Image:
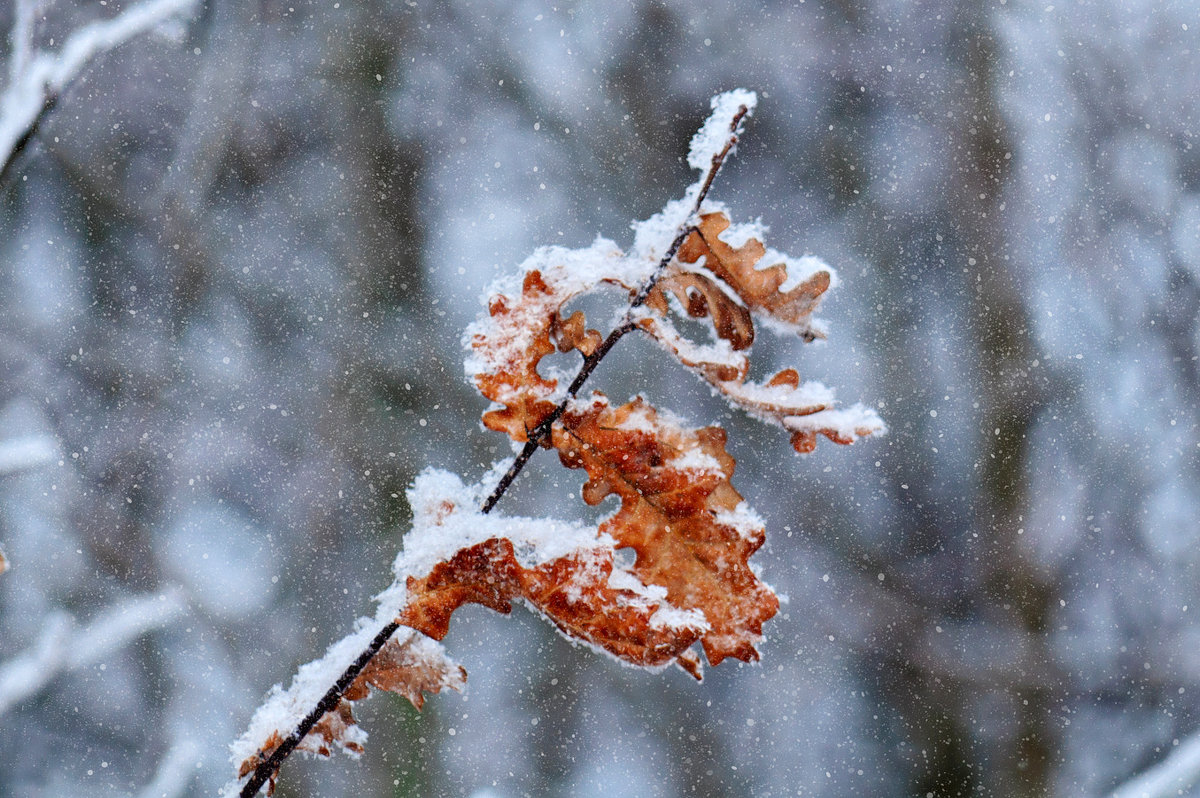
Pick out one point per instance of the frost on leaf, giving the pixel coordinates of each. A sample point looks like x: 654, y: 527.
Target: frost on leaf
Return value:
x: 576, y: 592
x: 690, y: 530
x: 525, y: 324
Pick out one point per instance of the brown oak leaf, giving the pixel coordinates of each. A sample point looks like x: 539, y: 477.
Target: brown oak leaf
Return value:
x: 521, y: 339
x: 524, y: 330
x: 691, y: 531
x: 757, y: 288
x: 725, y: 284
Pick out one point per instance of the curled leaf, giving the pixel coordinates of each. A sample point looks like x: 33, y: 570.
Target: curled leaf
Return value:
x: 758, y: 288
x: 714, y: 279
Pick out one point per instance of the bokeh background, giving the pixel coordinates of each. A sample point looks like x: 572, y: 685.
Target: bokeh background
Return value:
x: 236, y: 259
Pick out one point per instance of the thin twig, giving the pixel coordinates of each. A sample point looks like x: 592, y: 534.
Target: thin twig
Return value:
x: 269, y: 766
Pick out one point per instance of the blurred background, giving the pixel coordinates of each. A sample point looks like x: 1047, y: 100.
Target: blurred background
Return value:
x: 236, y: 258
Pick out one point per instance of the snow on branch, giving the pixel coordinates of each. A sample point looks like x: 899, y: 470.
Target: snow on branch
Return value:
x: 1175, y: 775
x: 36, y: 79
x: 63, y: 647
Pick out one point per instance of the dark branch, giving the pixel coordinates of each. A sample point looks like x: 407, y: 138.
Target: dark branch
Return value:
x: 271, y: 764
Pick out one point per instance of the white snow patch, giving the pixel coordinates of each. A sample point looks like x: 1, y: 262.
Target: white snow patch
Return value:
x: 284, y: 709
x: 851, y: 422
x: 696, y: 459
x: 799, y: 269
x: 748, y: 524
x: 446, y: 519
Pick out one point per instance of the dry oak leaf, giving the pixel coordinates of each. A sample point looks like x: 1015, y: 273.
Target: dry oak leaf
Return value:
x: 806, y: 409
x: 408, y: 664
x: 691, y: 531
x: 757, y: 288
x: 578, y: 592
x: 522, y: 340
x: 725, y: 284
x: 523, y: 330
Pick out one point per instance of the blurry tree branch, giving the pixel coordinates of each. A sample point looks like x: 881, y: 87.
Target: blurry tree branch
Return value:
x: 63, y: 647
x: 36, y: 79
x: 175, y: 770
x: 1175, y: 775
x: 18, y: 454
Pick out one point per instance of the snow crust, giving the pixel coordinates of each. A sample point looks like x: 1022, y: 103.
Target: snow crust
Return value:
x: 284, y: 709
x: 494, y: 344
x: 749, y: 524
x: 849, y: 422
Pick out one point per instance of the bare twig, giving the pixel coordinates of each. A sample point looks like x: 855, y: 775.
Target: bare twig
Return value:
x: 271, y: 764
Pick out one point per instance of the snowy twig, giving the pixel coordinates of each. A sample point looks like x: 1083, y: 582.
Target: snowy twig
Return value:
x: 63, y: 648
x: 21, y: 38
x: 36, y: 80
x: 1175, y: 775
x: 715, y: 156
x: 542, y: 431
